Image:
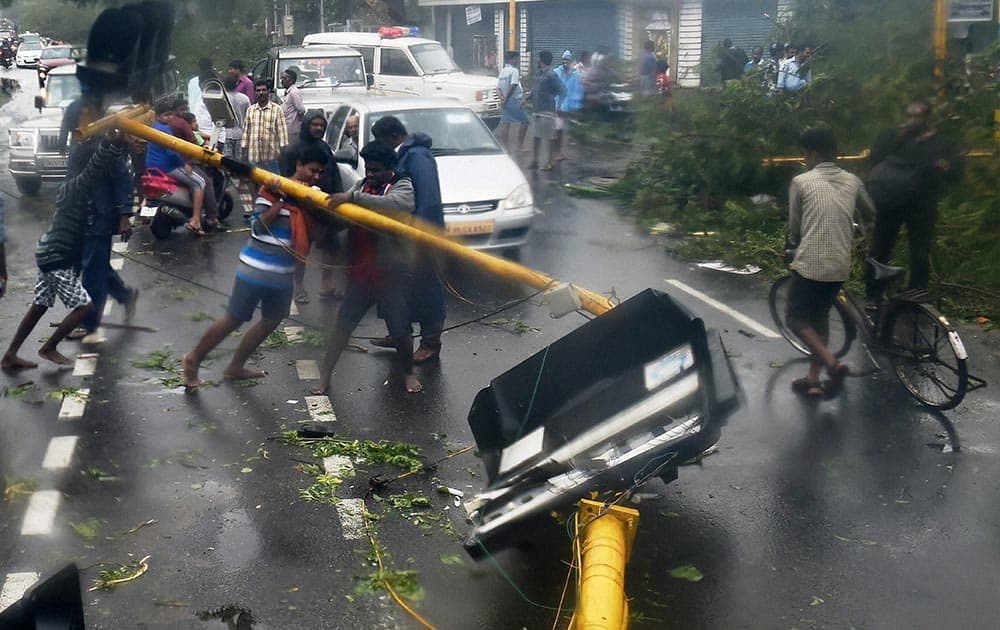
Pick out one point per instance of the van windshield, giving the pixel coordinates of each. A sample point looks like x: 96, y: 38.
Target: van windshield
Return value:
x: 324, y: 71
x: 433, y: 59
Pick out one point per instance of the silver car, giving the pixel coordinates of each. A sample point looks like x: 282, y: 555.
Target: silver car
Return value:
x: 488, y: 203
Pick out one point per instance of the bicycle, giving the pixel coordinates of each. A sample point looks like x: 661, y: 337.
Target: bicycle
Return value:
x: 926, y: 352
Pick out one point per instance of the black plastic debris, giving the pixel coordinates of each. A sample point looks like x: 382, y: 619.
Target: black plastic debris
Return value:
x: 626, y: 397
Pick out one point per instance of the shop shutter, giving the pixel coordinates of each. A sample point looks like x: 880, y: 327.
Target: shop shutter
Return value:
x: 576, y: 26
x: 742, y: 21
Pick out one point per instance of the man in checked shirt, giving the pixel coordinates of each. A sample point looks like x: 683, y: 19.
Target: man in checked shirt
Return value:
x: 822, y: 205
x: 265, y: 133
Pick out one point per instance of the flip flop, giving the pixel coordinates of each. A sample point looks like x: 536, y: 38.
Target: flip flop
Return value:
x: 809, y: 388
x: 77, y: 333
x: 837, y: 375
x: 301, y: 297
x: 197, y: 231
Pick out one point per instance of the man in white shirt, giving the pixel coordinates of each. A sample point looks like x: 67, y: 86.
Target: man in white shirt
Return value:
x: 291, y: 105
x: 511, y: 108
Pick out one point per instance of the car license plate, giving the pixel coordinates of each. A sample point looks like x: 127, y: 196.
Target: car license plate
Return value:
x: 54, y: 163
x: 468, y: 228
x: 147, y: 211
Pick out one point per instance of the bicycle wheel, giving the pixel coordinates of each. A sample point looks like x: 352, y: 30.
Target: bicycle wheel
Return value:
x: 841, y: 329
x: 926, y: 354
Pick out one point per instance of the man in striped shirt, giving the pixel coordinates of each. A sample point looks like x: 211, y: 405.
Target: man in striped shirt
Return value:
x: 821, y: 210
x: 265, y: 133
x: 278, y: 232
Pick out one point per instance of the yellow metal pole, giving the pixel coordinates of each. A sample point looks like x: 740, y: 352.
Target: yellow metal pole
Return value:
x: 406, y: 226
x: 605, y: 546
x: 512, y: 20
x: 940, y: 41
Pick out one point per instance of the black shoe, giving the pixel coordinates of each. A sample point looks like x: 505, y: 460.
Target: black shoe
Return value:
x: 382, y: 342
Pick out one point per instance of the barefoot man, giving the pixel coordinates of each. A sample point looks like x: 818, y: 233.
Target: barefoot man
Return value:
x: 264, y: 275
x: 380, y: 265
x: 60, y: 250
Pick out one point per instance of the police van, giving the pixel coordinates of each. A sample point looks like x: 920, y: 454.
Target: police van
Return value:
x: 404, y: 64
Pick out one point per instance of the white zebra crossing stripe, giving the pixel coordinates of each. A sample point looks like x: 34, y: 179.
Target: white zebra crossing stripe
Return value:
x: 294, y: 333
x: 41, y: 513
x: 117, y: 263
x: 320, y: 409
x: 59, y: 454
x: 307, y: 369
x: 119, y: 247
x: 15, y: 586
x: 74, y: 404
x: 339, y: 466
x: 352, y: 519
x: 85, y: 365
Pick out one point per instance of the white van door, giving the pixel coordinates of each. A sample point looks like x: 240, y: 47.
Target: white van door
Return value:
x: 397, y: 75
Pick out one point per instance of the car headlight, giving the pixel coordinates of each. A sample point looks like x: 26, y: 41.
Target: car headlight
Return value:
x: 520, y: 198
x: 21, y: 138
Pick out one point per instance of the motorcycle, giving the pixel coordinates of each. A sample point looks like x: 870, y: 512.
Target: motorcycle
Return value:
x: 7, y: 55
x: 168, y: 204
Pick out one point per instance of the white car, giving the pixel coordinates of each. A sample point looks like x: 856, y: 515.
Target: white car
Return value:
x: 28, y: 53
x: 487, y: 200
x: 403, y: 64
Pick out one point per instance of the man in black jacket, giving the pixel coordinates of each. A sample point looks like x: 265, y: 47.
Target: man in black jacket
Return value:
x: 328, y: 241
x: 60, y: 250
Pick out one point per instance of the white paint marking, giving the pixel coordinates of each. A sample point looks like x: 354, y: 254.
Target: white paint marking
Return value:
x: 119, y: 247
x: 117, y: 263
x: 294, y: 333
x: 73, y: 405
x: 760, y: 329
x: 308, y: 370
x: 15, y: 586
x: 94, y: 338
x: 107, y: 308
x: 339, y: 466
x: 320, y: 409
x: 294, y: 309
x: 59, y: 454
x: 86, y: 365
x: 42, y: 507
x: 352, y: 520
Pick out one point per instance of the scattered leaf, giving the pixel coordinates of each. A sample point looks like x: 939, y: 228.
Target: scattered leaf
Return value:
x: 686, y: 572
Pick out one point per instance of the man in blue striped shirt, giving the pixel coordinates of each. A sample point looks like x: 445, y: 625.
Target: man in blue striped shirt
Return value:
x: 264, y: 273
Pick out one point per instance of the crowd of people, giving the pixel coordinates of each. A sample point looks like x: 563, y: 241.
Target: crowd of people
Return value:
x: 785, y: 70
x: 95, y: 202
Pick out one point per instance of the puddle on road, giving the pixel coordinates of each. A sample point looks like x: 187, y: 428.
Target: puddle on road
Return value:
x: 239, y: 544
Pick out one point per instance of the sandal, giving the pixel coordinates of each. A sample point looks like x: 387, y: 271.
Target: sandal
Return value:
x: 809, y: 388
x: 837, y: 375
x: 77, y: 333
x: 424, y: 354
x: 197, y: 231
x: 302, y: 297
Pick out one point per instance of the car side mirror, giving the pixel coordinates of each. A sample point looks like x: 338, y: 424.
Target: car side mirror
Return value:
x: 39, y: 102
x: 370, y: 79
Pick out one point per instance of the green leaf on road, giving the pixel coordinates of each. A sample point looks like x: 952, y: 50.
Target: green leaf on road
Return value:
x: 687, y: 572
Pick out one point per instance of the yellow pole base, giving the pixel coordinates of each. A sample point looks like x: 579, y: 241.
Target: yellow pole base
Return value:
x: 605, y: 545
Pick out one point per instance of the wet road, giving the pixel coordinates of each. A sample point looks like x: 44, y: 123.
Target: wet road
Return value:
x: 866, y: 511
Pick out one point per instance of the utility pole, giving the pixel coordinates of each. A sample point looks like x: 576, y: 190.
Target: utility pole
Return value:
x: 322, y: 18
x: 940, y: 41
x: 512, y: 14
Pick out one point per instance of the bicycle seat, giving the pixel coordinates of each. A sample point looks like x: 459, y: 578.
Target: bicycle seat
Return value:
x: 883, y: 271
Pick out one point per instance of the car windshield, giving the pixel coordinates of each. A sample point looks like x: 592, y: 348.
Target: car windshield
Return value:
x: 61, y: 90
x: 433, y: 59
x: 454, y: 131
x: 56, y: 52
x: 324, y: 71
x: 30, y: 45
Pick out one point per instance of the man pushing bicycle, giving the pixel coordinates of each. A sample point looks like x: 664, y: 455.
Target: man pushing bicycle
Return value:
x: 823, y: 203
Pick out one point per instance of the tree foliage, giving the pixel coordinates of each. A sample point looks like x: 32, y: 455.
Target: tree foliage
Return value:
x: 707, y: 160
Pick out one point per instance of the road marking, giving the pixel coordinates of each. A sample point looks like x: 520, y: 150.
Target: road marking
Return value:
x: 42, y: 507
x: 94, y: 338
x: 73, y: 405
x: 59, y: 454
x: 86, y: 364
x: 339, y: 466
x: 294, y: 310
x: 117, y: 263
x: 15, y: 586
x: 760, y: 329
x: 320, y: 409
x: 119, y: 247
x: 294, y: 333
x: 308, y: 370
x: 107, y: 308
x: 352, y: 519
